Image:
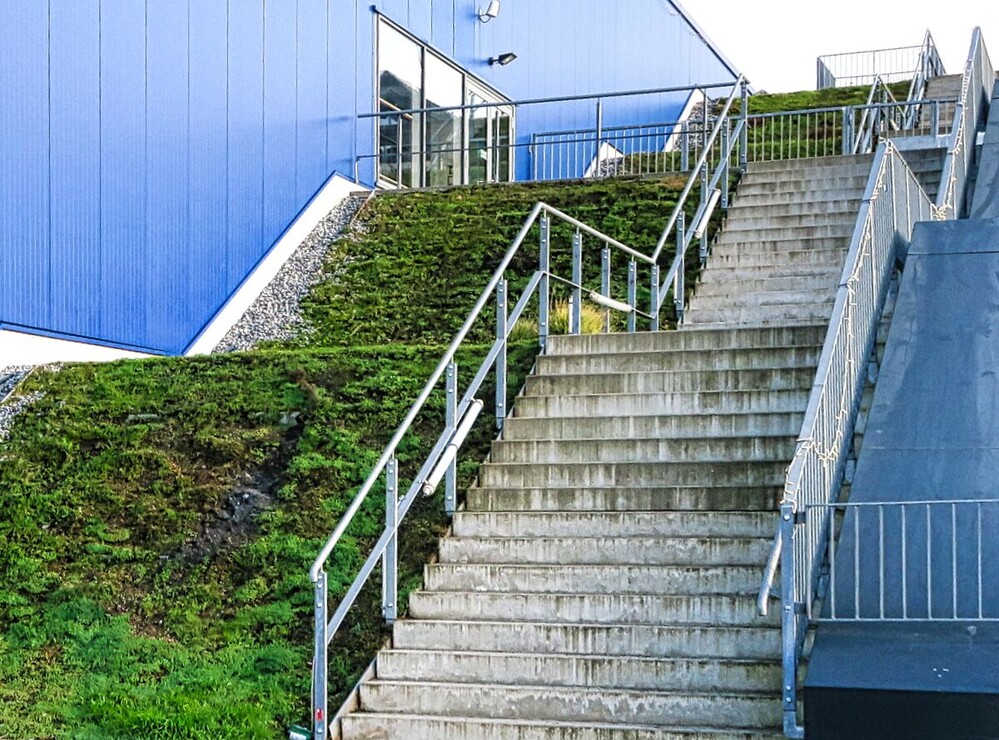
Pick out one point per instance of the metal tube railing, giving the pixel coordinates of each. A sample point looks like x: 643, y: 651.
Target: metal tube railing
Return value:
x: 893, y: 65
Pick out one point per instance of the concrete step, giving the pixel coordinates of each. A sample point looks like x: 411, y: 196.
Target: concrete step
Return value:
x: 647, y: 641
x: 721, y: 274
x: 814, y: 163
x: 372, y: 726
x: 622, y: 524
x: 691, y: 497
x: 589, y: 671
x: 536, y: 452
x: 758, y: 198
x: 828, y: 280
x: 748, y: 337
x: 749, y: 299
x: 630, y: 427
x: 741, y: 209
x: 798, y: 170
x: 606, y: 579
x: 734, y: 244
x: 607, y: 550
x: 620, y: 404
x: 777, y: 314
x: 799, y: 258
x: 773, y: 378
x: 841, y: 187
x: 584, y: 608
x: 692, y: 361
x: 762, y: 222
x: 493, y: 701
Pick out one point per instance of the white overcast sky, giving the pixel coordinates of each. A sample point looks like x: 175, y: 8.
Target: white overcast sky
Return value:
x: 775, y: 42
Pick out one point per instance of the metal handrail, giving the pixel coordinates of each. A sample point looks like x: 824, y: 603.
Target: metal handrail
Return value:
x: 976, y: 91
x: 906, y: 62
x: 440, y: 464
x: 893, y: 202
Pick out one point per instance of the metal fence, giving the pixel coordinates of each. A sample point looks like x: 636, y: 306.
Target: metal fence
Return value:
x: 893, y: 202
x: 892, y: 65
x: 911, y: 561
x: 976, y: 91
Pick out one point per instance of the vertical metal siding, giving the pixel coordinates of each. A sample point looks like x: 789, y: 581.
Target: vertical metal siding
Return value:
x: 75, y: 166
x: 312, y: 86
x: 24, y: 161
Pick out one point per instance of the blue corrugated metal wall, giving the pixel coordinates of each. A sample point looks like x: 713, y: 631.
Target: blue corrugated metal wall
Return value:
x: 151, y: 152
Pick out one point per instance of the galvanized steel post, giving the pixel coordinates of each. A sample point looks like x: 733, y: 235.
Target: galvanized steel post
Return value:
x: 726, y: 136
x: 544, y: 287
x: 789, y: 624
x: 599, y: 135
x: 632, y: 293
x: 847, y: 148
x: 744, y: 135
x: 390, y: 558
x: 501, y: 333
x: 320, y: 659
x: 605, y: 282
x: 678, y: 278
x: 576, y: 297
x: 451, y: 421
x: 654, y: 299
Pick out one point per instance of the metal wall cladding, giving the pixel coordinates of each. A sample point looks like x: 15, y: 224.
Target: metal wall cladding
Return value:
x: 152, y: 152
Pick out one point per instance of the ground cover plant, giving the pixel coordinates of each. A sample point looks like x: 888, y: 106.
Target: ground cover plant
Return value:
x: 159, y: 516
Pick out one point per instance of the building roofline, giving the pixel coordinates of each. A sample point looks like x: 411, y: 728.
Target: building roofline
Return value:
x: 696, y: 28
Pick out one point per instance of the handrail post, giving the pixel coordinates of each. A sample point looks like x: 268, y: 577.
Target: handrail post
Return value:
x: 678, y: 278
x: 544, y: 288
x: 599, y: 135
x: 398, y: 151
x: 654, y: 298
x: 390, y: 559
x: 726, y: 135
x: 847, y: 130
x: 935, y: 117
x: 576, y: 298
x: 501, y: 335
x: 789, y: 619
x: 320, y: 659
x: 684, y: 147
x: 744, y: 135
x: 451, y: 420
x: 632, y: 292
x: 605, y: 282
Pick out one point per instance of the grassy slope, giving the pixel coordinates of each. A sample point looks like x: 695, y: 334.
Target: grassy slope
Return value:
x: 136, y: 598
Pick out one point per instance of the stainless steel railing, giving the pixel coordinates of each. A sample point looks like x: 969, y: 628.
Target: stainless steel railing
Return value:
x: 893, y: 65
x: 976, y: 91
x: 908, y: 561
x: 893, y: 202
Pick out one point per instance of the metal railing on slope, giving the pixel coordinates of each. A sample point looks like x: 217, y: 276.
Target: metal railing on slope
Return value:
x: 893, y: 202
x: 976, y: 91
x: 440, y: 464
x: 894, y: 65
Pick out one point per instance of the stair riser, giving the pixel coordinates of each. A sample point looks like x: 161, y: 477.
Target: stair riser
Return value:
x: 819, y: 283
x: 844, y: 208
x: 596, y: 524
x: 754, y: 643
x: 745, y: 197
x: 834, y: 188
x: 748, y: 338
x: 666, y: 382
x: 694, y: 361
x: 521, y: 670
x: 644, y: 451
x: 795, y: 258
x: 383, y: 727
x: 609, y: 579
x: 718, y: 473
x: 631, y: 427
x: 728, y: 276
x: 840, y: 229
x: 606, y: 551
x: 741, y: 222
x: 764, y: 300
x: 663, y: 403
x: 758, y: 314
x: 555, y: 704
x: 586, y: 608
x: 622, y: 498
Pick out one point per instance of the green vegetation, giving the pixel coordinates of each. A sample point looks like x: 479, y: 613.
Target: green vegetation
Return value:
x: 159, y: 516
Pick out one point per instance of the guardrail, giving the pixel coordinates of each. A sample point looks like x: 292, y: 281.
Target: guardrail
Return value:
x: 976, y: 91
x: 893, y: 202
x: 908, y: 561
x: 893, y: 65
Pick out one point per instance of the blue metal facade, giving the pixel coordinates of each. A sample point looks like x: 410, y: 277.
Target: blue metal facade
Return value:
x: 152, y: 151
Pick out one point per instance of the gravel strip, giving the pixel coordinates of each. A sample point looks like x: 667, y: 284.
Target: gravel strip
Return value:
x: 276, y: 314
x: 9, y: 378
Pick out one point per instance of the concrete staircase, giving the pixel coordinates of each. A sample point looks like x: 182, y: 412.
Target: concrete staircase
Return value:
x: 599, y: 583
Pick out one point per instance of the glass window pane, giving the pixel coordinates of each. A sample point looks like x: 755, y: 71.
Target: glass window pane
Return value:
x: 443, y: 142
x: 478, y: 141
x: 502, y: 150
x: 400, y: 75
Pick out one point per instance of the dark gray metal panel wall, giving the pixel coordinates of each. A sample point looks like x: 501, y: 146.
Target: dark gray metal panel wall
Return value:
x: 152, y: 152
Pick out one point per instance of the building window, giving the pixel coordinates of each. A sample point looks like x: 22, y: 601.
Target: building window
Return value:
x: 425, y: 138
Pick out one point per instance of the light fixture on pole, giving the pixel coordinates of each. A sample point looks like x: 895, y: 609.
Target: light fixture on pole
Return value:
x: 492, y: 10
x: 502, y: 59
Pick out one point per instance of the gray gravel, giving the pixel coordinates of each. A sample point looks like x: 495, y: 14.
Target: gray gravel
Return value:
x: 9, y: 378
x: 276, y: 314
